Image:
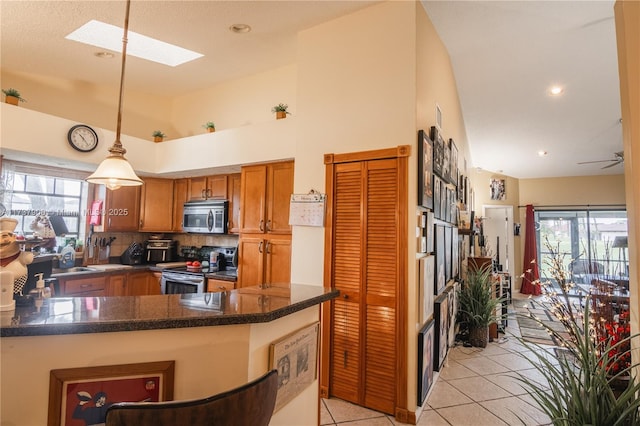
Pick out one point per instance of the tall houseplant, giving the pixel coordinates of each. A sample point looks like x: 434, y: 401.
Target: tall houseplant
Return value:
x: 478, y: 305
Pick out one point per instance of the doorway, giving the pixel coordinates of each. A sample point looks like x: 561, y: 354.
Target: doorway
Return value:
x: 498, y: 234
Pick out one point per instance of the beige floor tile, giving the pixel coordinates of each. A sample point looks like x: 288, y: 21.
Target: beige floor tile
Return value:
x: 460, y: 352
x: 376, y: 421
x: 513, y: 361
x: 535, y: 375
x: 455, y: 370
x: 431, y: 418
x: 325, y: 416
x: 493, y: 348
x: 445, y: 395
x: 513, y: 344
x: 479, y: 388
x: 483, y: 365
x: 508, y: 382
x: 343, y: 411
x: 514, y: 411
x: 469, y: 415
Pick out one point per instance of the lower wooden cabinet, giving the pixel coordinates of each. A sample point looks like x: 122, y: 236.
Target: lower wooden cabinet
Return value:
x: 142, y: 284
x: 264, y: 260
x: 215, y: 286
x: 117, y: 285
x: 95, y: 286
x: 138, y: 283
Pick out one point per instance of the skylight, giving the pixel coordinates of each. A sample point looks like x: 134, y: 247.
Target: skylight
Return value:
x: 106, y: 36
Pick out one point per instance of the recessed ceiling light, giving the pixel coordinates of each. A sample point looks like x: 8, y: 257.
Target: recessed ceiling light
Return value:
x: 542, y: 153
x: 556, y: 90
x: 106, y: 36
x: 240, y: 28
x: 104, y: 55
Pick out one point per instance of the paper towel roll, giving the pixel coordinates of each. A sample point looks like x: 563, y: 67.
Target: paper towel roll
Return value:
x: 6, y: 291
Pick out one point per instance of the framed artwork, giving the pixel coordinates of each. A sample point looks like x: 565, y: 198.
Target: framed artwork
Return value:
x: 441, y: 318
x: 295, y: 357
x: 453, y: 167
x: 427, y: 266
x: 453, y: 313
x: 79, y: 396
x: 438, y: 151
x: 421, y: 232
x: 430, y: 231
x: 437, y: 193
x: 440, y: 279
x: 443, y: 201
x: 425, y: 360
x: 425, y: 170
x: 438, y: 117
x: 497, y: 189
x: 446, y: 163
x: 447, y: 253
x: 455, y: 253
x: 462, y: 190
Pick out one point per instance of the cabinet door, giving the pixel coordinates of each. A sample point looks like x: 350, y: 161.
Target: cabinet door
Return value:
x: 154, y: 283
x: 122, y: 209
x: 180, y: 196
x: 250, y: 261
x: 117, y: 285
x: 138, y: 283
x: 214, y: 286
x: 92, y: 286
x: 279, y: 189
x: 278, y: 262
x: 197, y: 188
x: 252, y: 199
x: 234, y: 203
x: 156, y: 210
x: 217, y: 187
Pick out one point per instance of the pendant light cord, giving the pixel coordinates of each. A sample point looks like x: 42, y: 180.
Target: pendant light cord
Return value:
x: 117, y: 147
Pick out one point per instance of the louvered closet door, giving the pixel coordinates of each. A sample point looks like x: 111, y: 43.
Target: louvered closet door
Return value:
x: 363, y: 346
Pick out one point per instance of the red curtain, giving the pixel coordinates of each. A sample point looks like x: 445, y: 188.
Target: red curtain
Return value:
x: 531, y: 272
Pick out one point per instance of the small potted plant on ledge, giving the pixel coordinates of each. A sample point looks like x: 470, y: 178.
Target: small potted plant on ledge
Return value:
x: 281, y: 111
x: 157, y: 136
x: 210, y: 126
x: 12, y: 96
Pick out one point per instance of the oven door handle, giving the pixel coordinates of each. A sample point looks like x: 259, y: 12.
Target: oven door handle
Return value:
x: 210, y: 220
x: 181, y: 279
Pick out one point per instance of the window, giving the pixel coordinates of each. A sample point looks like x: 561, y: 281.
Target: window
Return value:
x: 593, y: 243
x: 29, y: 195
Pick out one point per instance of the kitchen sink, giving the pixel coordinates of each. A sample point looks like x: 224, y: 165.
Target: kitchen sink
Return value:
x: 72, y: 270
x: 109, y: 267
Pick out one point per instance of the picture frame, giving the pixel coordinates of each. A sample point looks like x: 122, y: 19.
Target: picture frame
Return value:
x: 295, y: 357
x: 441, y: 318
x: 443, y: 201
x: 497, y: 188
x: 429, y: 230
x: 452, y: 312
x: 421, y: 231
x: 453, y: 165
x: 79, y: 394
x: 455, y: 253
x: 426, y: 339
x: 437, y: 194
x: 427, y: 268
x: 425, y: 170
x: 440, y: 278
x: 447, y: 253
x: 446, y: 162
x: 438, y: 151
x: 438, y: 117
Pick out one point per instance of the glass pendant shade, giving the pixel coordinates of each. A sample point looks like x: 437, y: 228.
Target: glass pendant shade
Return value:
x: 114, y: 172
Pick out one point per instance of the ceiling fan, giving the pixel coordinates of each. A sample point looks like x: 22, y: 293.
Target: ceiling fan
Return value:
x: 618, y: 159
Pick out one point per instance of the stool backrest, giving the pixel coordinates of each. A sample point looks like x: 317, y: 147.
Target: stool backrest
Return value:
x: 248, y: 405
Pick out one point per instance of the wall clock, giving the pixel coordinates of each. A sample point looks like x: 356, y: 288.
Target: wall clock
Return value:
x: 82, y: 138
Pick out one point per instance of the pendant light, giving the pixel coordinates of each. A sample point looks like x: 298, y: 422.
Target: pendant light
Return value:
x: 115, y: 171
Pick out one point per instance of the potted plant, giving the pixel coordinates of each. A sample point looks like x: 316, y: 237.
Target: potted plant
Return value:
x: 281, y: 111
x: 210, y: 126
x: 12, y: 96
x: 478, y: 305
x: 157, y: 136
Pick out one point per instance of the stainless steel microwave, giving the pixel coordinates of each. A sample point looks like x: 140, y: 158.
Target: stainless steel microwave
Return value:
x: 206, y: 217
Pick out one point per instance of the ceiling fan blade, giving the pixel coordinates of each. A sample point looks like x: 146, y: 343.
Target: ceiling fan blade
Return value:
x: 611, y: 165
x: 599, y: 161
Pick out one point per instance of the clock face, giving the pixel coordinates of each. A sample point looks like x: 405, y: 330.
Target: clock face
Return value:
x: 82, y: 138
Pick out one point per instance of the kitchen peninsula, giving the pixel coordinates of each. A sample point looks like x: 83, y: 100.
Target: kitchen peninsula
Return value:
x: 217, y: 340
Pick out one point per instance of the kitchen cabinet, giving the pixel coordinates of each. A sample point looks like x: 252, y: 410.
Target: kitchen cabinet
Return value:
x: 156, y: 205
x: 264, y: 261
x: 142, y: 284
x: 117, y: 285
x: 94, y: 286
x: 208, y: 188
x: 264, y: 198
x: 180, y: 196
x: 121, y: 210
x: 215, y: 286
x: 233, y: 192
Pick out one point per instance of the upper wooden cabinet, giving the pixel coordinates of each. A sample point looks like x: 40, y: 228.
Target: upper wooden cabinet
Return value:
x: 234, y: 182
x: 121, y: 210
x: 208, y: 188
x: 156, y: 205
x: 180, y: 196
x: 264, y: 198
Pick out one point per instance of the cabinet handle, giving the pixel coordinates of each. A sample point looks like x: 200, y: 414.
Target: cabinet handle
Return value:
x: 269, y: 225
x: 221, y: 287
x: 260, y: 247
x: 268, y: 247
x: 208, y: 192
x: 203, y: 194
x: 109, y: 221
x: 86, y: 285
x: 261, y: 226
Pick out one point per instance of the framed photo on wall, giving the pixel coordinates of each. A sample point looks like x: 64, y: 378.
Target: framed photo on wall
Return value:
x: 438, y: 151
x: 430, y: 230
x: 446, y: 163
x: 453, y: 168
x: 455, y: 253
x: 425, y: 360
x: 440, y: 279
x: 437, y: 193
x: 441, y: 318
x: 425, y: 170
x: 497, y: 189
x: 427, y: 266
x: 447, y: 253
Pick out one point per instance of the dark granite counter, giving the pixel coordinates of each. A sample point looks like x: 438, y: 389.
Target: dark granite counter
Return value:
x: 79, y: 315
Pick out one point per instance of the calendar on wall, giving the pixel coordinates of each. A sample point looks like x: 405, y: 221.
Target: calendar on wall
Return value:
x: 307, y: 209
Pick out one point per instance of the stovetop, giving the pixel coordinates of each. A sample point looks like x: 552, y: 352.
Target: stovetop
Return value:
x: 229, y: 271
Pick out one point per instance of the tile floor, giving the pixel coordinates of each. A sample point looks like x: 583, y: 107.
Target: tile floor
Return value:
x: 476, y: 387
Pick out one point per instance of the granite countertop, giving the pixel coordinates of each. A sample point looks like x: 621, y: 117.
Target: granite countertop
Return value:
x: 79, y: 315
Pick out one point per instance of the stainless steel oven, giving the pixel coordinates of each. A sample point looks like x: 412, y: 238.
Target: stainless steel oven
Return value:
x: 178, y: 281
